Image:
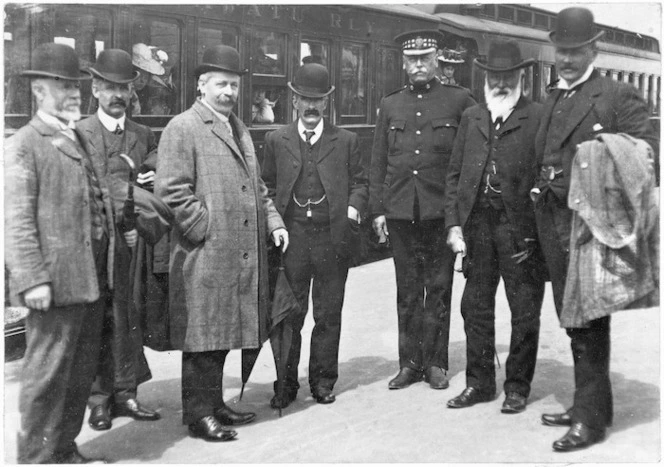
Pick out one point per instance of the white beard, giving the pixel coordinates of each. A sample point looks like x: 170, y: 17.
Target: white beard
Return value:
x: 501, y: 105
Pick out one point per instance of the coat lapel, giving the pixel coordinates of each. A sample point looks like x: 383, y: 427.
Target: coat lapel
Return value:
x: 482, y: 121
x: 293, y: 142
x: 327, y: 142
x: 515, y: 119
x: 584, y: 102
x: 60, y: 141
x: 219, y: 128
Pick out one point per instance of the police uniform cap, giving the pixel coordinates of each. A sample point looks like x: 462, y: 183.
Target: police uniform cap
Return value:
x: 420, y: 41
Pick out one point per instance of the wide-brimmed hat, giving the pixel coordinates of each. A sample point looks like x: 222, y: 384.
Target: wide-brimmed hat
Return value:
x: 220, y: 58
x: 504, y: 55
x: 53, y: 60
x: 575, y: 27
x: 311, y: 80
x: 451, y: 57
x: 143, y: 57
x: 419, y: 41
x: 114, y: 65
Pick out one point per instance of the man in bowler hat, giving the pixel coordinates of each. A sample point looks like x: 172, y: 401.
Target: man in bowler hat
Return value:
x: 107, y: 134
x: 491, y: 222
x: 411, y: 150
x: 316, y: 176
x: 208, y: 174
x: 583, y: 105
x: 59, y: 237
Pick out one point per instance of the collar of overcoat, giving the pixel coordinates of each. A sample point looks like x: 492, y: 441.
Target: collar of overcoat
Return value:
x: 92, y: 132
x: 60, y: 140
x: 513, y: 122
x: 585, y: 99
x: 220, y: 129
x: 327, y: 142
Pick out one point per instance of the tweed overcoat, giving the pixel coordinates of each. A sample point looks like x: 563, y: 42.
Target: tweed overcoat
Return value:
x: 47, y: 217
x: 341, y: 168
x: 514, y: 150
x: 218, y: 270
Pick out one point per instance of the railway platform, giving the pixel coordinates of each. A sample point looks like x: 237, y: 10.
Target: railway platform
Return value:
x: 368, y: 422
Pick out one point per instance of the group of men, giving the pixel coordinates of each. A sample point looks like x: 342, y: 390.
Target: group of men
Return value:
x: 447, y: 176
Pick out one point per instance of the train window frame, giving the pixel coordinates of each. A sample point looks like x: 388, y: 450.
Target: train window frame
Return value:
x: 183, y: 80
x: 351, y: 119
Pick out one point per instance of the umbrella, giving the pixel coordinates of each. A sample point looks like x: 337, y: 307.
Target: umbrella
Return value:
x: 129, y: 211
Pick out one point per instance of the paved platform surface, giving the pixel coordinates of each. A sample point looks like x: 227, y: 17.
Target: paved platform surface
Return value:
x: 368, y: 422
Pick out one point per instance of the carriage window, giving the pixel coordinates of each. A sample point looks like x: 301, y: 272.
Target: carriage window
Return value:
x: 527, y: 84
x: 17, y: 59
x: 268, y: 56
x: 390, y: 75
x: 548, y: 74
x: 316, y: 52
x: 156, y: 56
x: 353, y: 93
x: 209, y: 36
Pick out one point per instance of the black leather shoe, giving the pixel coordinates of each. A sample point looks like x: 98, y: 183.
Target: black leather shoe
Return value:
x: 579, y: 436
x: 469, y: 397
x: 131, y: 408
x: 514, y: 403
x: 323, y: 396
x: 557, y: 419
x: 228, y: 416
x: 405, y: 378
x: 282, y: 402
x: 210, y: 429
x: 100, y: 418
x: 437, y: 378
x: 75, y: 457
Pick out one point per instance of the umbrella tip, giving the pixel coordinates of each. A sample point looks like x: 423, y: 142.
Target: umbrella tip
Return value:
x: 241, y: 392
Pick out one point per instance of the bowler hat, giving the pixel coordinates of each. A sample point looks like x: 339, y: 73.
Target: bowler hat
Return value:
x: 114, y: 65
x: 220, y: 58
x: 311, y: 80
x: 504, y: 55
x: 574, y: 28
x: 53, y: 60
x: 419, y: 41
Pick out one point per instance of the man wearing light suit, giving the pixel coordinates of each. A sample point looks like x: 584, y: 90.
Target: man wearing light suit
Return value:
x: 319, y: 183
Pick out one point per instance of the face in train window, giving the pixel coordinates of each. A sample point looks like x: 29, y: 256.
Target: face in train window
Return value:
x: 156, y: 56
x: 353, y: 81
x: 87, y: 31
x: 268, y: 53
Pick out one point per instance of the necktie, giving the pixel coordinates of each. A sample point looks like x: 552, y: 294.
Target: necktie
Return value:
x: 118, y: 130
x: 308, y: 134
x: 499, y: 122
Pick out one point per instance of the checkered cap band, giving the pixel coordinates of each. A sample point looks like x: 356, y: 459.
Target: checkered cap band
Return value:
x: 419, y: 43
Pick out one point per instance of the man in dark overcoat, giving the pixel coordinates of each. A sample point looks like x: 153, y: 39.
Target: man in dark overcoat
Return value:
x: 59, y: 238
x: 411, y: 150
x: 208, y: 174
x: 583, y: 105
x: 107, y: 134
x: 315, y: 174
x: 491, y: 221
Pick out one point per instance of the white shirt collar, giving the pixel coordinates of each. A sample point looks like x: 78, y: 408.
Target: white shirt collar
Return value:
x: 219, y: 115
x: 109, y: 122
x: 318, y: 131
x: 562, y: 84
x: 54, y: 121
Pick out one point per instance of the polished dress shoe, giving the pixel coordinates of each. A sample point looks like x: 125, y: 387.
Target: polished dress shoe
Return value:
x: 131, y: 408
x: 469, y: 397
x: 75, y: 457
x: 100, y: 418
x: 557, y: 419
x: 514, y: 403
x: 437, y: 378
x: 579, y: 436
x: 228, y: 416
x: 405, y: 378
x: 323, y: 396
x: 282, y: 402
x: 209, y: 429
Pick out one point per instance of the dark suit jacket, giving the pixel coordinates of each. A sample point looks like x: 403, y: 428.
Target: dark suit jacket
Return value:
x: 602, y: 105
x: 514, y: 148
x: 341, y: 168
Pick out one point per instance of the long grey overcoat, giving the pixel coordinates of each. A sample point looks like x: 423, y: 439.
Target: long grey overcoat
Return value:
x: 218, y: 269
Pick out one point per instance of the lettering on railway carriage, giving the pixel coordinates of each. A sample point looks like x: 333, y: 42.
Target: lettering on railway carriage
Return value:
x: 275, y: 12
x: 339, y: 21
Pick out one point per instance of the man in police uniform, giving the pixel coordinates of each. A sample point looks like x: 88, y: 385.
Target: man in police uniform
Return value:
x: 583, y: 105
x: 412, y: 145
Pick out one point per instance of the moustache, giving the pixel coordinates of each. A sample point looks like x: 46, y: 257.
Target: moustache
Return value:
x: 120, y: 102
x: 311, y: 113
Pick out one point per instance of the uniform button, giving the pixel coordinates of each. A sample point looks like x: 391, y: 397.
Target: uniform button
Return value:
x: 419, y: 114
x: 87, y: 243
x: 245, y: 256
x: 419, y: 96
x: 418, y: 132
x: 246, y: 222
x: 414, y: 172
x: 577, y: 201
x: 244, y: 187
x: 417, y: 151
x: 584, y: 165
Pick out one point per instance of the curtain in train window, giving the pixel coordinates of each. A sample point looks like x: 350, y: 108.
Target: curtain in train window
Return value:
x: 353, y: 93
x: 268, y: 53
x: 547, y: 76
x: 527, y: 83
x: 156, y: 55
x: 87, y: 31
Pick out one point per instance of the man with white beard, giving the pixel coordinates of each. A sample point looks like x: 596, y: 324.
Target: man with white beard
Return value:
x: 491, y: 223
